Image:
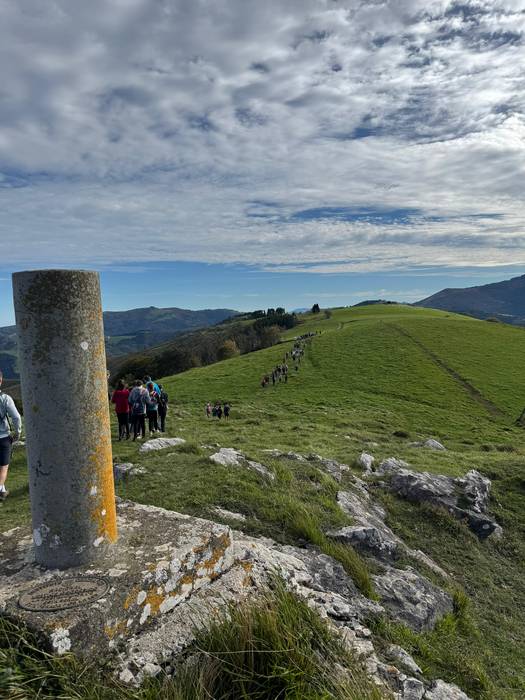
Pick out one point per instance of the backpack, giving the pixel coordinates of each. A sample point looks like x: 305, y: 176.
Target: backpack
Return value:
x: 4, y: 419
x: 137, y: 407
x: 163, y: 399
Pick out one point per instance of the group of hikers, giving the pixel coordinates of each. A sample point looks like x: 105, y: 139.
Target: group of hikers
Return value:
x: 218, y: 410
x: 146, y: 399
x: 295, y: 355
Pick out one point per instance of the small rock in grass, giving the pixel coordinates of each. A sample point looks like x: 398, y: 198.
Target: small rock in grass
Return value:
x: 229, y: 514
x: 445, y: 691
x: 122, y: 471
x: 397, y: 653
x: 230, y: 457
x: 366, y: 461
x: 161, y: 444
x: 430, y: 444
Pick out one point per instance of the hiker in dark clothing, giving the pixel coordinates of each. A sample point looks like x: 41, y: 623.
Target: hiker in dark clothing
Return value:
x: 219, y: 411
x: 152, y: 406
x: 162, y: 408
x: 137, y: 401
x: 226, y: 411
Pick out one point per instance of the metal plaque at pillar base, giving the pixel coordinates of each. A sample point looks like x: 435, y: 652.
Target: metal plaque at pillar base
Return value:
x: 64, y: 593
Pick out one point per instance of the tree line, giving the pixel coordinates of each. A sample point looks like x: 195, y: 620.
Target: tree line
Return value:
x: 204, y: 347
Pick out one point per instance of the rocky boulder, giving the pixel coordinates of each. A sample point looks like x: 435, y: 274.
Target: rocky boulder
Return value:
x: 365, y: 461
x: 161, y: 444
x: 411, y: 598
x: 466, y: 498
x: 230, y: 457
x: 369, y: 534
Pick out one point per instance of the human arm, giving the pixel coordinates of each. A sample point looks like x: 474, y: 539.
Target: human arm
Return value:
x: 16, y: 419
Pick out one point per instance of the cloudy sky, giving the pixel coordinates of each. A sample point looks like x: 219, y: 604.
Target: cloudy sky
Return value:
x: 321, y: 142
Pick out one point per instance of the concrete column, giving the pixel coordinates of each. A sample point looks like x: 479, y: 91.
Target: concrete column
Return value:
x: 62, y: 363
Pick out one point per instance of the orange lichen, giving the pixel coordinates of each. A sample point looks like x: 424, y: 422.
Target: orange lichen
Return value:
x: 112, y: 631
x: 103, y: 511
x: 132, y: 597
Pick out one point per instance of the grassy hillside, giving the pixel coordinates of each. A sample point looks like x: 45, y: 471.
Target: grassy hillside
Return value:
x: 375, y: 378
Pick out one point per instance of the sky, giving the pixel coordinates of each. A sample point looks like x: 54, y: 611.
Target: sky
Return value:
x: 242, y: 153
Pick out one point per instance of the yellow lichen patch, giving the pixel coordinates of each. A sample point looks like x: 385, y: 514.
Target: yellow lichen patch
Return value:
x: 132, y: 597
x: 218, y: 551
x: 246, y: 565
x: 111, y: 631
x: 154, y: 599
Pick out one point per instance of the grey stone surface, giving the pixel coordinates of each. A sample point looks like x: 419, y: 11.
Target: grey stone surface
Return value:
x: 412, y: 689
x: 127, y: 469
x: 430, y: 444
x: 161, y: 444
x: 230, y: 457
x: 366, y: 461
x: 162, y: 558
x: 223, y: 513
x: 445, y: 691
x: 285, y: 455
x: 397, y: 654
x: 466, y: 498
x: 331, y: 466
x: 61, y: 353
x: 370, y: 534
x: 412, y: 598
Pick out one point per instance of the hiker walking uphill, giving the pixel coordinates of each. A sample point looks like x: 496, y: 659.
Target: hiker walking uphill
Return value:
x: 280, y: 372
x: 10, y: 430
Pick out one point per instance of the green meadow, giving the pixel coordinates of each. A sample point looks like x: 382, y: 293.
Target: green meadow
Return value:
x: 375, y: 379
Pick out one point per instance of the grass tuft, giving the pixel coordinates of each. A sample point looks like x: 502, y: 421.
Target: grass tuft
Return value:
x: 272, y: 647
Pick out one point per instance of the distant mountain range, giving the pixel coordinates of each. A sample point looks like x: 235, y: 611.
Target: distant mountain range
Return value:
x: 128, y: 331
x: 502, y: 300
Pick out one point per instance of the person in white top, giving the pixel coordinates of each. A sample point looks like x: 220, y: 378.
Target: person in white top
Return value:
x: 10, y: 429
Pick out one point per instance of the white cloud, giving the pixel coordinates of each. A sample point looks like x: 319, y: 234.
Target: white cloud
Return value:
x: 150, y: 130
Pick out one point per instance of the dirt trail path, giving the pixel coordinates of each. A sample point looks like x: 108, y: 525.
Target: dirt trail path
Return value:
x: 471, y: 390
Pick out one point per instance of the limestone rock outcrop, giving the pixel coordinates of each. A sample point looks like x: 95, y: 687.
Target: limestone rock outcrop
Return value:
x: 230, y: 457
x: 466, y: 498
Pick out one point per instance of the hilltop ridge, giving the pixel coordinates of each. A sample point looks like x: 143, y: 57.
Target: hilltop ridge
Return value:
x: 502, y: 300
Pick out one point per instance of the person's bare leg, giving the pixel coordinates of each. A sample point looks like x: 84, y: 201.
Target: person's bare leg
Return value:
x: 3, y: 474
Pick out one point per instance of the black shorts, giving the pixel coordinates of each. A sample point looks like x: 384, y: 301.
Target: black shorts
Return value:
x: 6, y: 446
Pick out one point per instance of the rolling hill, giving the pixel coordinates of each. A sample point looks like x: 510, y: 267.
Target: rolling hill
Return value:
x: 502, y: 300
x: 128, y: 331
x: 374, y: 378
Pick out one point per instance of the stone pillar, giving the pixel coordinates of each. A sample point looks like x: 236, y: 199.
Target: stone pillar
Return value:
x: 62, y: 363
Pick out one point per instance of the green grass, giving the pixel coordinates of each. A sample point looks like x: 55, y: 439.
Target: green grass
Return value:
x: 272, y: 647
x: 362, y: 380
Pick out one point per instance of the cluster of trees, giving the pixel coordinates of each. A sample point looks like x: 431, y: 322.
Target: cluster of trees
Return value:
x: 203, y: 347
x: 261, y: 313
